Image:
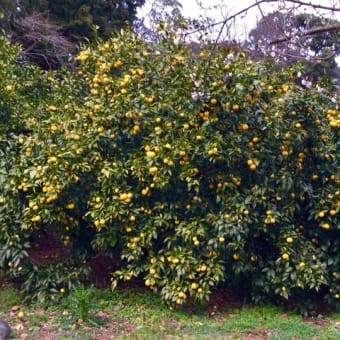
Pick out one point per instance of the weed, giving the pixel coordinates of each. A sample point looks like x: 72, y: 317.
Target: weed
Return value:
x: 9, y: 296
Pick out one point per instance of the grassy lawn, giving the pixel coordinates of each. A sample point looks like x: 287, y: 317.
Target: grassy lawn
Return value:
x: 134, y: 313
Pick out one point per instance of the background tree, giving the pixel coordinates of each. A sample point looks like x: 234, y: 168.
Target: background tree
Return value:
x: 49, y: 30
x: 292, y: 37
x: 43, y: 42
x: 78, y: 16
x: 159, y: 14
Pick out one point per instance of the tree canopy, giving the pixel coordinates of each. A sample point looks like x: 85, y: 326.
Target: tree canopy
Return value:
x: 290, y: 37
x: 78, y: 16
x: 49, y: 29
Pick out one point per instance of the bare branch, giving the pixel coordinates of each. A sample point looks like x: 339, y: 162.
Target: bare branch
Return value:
x: 311, y: 31
x: 257, y: 3
x: 311, y: 59
x: 310, y: 4
x: 42, y: 41
x: 260, y: 9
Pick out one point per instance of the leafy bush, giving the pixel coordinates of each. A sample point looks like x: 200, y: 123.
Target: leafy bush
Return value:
x: 195, y: 169
x: 18, y: 86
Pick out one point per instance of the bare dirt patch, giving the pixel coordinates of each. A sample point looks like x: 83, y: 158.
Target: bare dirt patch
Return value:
x: 257, y: 334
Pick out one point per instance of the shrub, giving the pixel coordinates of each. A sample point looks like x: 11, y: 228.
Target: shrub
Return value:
x: 195, y: 169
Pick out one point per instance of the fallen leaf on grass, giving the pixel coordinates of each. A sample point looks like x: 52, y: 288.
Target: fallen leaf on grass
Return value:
x: 19, y: 327
x: 102, y: 314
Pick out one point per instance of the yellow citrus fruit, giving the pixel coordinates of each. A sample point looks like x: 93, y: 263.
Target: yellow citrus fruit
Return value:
x: 236, y: 257
x: 70, y: 206
x: 321, y: 214
x: 203, y: 268
x: 325, y: 226
x: 153, y: 170
x: 52, y: 160
x: 285, y: 256
x: 145, y: 191
x: 315, y: 177
x: 194, y: 285
x: 21, y: 314
x: 182, y: 295
x: 36, y: 218
x: 151, y: 154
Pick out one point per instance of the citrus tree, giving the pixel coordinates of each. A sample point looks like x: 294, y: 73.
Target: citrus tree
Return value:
x: 19, y: 88
x: 192, y: 168
x: 25, y: 96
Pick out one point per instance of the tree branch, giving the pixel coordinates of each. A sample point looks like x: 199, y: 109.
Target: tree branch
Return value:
x: 311, y: 31
x: 310, y: 59
x: 259, y: 2
x: 310, y: 4
x: 260, y: 9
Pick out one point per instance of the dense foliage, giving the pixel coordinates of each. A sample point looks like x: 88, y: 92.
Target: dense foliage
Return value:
x: 50, y: 31
x: 76, y: 17
x: 193, y: 169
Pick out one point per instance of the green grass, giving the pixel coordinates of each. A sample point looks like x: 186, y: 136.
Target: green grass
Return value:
x: 138, y: 314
